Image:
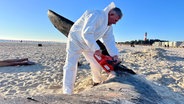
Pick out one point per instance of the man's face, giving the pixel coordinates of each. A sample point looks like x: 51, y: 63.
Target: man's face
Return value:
x: 113, y: 18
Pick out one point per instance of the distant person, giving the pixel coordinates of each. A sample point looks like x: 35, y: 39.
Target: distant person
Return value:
x: 132, y: 44
x: 90, y: 27
x: 15, y: 62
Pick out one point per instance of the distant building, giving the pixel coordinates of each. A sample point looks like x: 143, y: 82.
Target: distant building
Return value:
x: 157, y: 44
x: 182, y: 45
x: 168, y: 44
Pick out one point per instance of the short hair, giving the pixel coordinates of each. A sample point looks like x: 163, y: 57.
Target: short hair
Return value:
x: 118, y: 11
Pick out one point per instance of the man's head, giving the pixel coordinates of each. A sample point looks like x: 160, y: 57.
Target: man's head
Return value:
x: 114, y: 15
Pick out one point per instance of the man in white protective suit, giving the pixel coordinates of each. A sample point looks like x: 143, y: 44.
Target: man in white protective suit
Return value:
x: 91, y: 26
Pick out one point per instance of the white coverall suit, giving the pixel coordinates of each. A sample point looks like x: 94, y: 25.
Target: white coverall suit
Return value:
x: 91, y: 26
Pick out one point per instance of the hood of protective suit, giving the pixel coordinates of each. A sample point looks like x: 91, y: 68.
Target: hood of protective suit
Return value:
x: 91, y: 26
x: 109, y: 7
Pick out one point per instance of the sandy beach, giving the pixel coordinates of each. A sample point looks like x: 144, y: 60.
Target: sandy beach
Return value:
x: 162, y: 67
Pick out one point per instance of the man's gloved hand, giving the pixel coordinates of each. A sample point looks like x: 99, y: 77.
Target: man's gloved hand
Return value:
x: 115, y: 58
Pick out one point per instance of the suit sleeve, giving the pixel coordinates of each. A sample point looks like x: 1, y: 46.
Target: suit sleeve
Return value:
x: 109, y: 42
x: 90, y: 25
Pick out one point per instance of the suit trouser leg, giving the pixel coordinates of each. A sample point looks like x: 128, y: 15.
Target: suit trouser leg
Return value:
x: 70, y: 69
x: 95, y: 67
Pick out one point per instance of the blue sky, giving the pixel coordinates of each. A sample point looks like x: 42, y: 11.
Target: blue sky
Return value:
x: 28, y: 20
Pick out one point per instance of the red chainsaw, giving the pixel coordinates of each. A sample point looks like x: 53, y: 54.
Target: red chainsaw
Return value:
x: 106, y: 62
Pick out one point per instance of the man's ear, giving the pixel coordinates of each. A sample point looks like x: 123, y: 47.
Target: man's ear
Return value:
x: 111, y: 13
